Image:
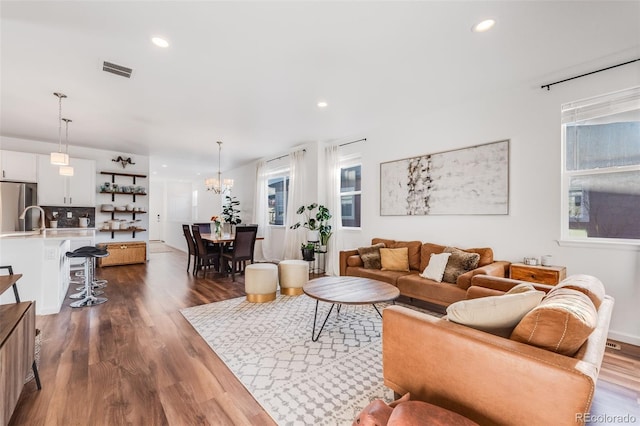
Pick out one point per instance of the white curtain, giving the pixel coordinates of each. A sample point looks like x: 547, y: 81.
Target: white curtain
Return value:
x: 293, y: 238
x: 261, y: 214
x: 332, y: 173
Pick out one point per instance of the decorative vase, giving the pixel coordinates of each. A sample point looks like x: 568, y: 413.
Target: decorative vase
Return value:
x: 218, y: 229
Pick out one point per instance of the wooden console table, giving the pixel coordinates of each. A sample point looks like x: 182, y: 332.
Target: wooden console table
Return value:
x: 550, y: 275
x: 17, y: 341
x: 17, y: 346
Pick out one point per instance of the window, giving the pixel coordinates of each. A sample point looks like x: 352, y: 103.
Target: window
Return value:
x: 601, y: 168
x: 278, y: 196
x: 350, y: 194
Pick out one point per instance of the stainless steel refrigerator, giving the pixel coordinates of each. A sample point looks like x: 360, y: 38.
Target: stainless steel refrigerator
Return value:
x: 14, y: 198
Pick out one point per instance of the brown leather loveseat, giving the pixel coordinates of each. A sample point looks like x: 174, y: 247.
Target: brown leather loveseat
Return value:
x: 490, y: 379
x: 410, y: 283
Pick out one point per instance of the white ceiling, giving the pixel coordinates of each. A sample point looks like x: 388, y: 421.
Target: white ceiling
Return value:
x: 251, y: 73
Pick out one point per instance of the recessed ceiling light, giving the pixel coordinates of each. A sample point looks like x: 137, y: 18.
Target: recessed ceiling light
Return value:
x: 160, y: 42
x: 164, y: 165
x: 483, y: 26
x: 322, y: 104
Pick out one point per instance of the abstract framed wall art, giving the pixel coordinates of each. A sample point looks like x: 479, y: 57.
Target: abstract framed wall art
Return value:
x: 466, y: 181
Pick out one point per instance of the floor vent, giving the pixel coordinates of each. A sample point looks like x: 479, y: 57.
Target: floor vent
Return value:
x: 117, y: 69
x: 612, y: 345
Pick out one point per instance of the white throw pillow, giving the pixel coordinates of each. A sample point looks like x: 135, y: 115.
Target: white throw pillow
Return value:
x: 494, y: 313
x: 435, y: 269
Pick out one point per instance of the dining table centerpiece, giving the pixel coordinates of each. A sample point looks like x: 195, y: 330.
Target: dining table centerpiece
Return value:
x: 217, y: 225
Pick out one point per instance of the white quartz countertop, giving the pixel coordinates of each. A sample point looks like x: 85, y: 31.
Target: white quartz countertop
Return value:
x: 51, y: 234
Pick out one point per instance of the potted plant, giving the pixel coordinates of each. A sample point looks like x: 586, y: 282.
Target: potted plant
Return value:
x: 230, y: 213
x: 324, y: 229
x: 307, y: 251
x: 314, y: 221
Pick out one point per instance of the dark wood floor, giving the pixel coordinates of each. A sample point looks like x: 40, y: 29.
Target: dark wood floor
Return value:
x: 136, y: 360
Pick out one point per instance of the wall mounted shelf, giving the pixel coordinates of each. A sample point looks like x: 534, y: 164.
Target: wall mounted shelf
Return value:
x: 133, y: 231
x: 113, y: 213
x: 113, y: 198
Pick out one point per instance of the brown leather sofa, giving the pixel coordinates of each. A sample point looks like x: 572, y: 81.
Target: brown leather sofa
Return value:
x: 411, y: 284
x: 487, y: 378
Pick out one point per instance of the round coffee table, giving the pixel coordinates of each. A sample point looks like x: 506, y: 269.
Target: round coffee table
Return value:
x: 347, y: 291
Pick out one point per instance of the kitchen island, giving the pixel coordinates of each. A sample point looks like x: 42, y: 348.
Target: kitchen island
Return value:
x: 40, y: 258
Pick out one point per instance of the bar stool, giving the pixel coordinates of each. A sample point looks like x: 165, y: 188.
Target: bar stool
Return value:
x: 89, y: 253
x: 76, y: 272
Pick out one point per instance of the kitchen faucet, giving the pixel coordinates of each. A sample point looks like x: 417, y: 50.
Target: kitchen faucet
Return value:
x: 42, y: 225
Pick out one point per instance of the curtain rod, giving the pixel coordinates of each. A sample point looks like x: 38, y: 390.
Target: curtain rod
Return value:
x: 349, y: 143
x: 304, y: 150
x: 282, y: 156
x: 548, y: 86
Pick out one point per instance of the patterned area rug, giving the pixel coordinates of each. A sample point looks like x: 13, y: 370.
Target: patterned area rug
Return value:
x: 298, y: 382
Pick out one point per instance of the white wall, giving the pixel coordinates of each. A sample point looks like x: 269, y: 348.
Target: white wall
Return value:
x: 530, y: 118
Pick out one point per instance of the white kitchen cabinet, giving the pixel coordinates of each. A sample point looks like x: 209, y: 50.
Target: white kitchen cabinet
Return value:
x: 56, y: 190
x: 18, y: 166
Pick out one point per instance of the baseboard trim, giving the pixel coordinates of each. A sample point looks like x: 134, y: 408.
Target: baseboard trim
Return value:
x: 624, y: 338
x: 626, y: 349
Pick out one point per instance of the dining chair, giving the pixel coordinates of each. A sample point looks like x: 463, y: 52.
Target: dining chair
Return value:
x: 206, y: 256
x: 242, y: 251
x: 191, y: 246
x: 205, y: 228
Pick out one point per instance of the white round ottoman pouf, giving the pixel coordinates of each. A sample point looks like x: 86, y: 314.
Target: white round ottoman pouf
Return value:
x: 293, y: 275
x: 261, y: 282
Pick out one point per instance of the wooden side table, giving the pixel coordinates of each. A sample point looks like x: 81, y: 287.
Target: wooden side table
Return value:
x: 550, y: 275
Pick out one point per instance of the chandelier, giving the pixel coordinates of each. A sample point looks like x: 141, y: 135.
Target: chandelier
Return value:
x: 217, y: 185
x: 59, y: 158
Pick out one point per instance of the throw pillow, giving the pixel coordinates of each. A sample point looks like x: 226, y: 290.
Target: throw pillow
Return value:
x: 591, y: 286
x: 459, y: 263
x: 561, y: 323
x: 495, y: 314
x: 371, y: 256
x: 395, y: 259
x: 521, y: 288
x: 435, y: 269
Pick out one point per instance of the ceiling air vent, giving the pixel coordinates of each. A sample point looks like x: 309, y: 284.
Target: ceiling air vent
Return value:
x: 117, y: 69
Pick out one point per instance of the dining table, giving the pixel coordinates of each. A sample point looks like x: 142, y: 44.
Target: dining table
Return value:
x: 222, y: 240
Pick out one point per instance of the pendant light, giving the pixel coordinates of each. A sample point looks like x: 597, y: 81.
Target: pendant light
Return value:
x: 66, y: 170
x: 59, y: 158
x: 217, y: 185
